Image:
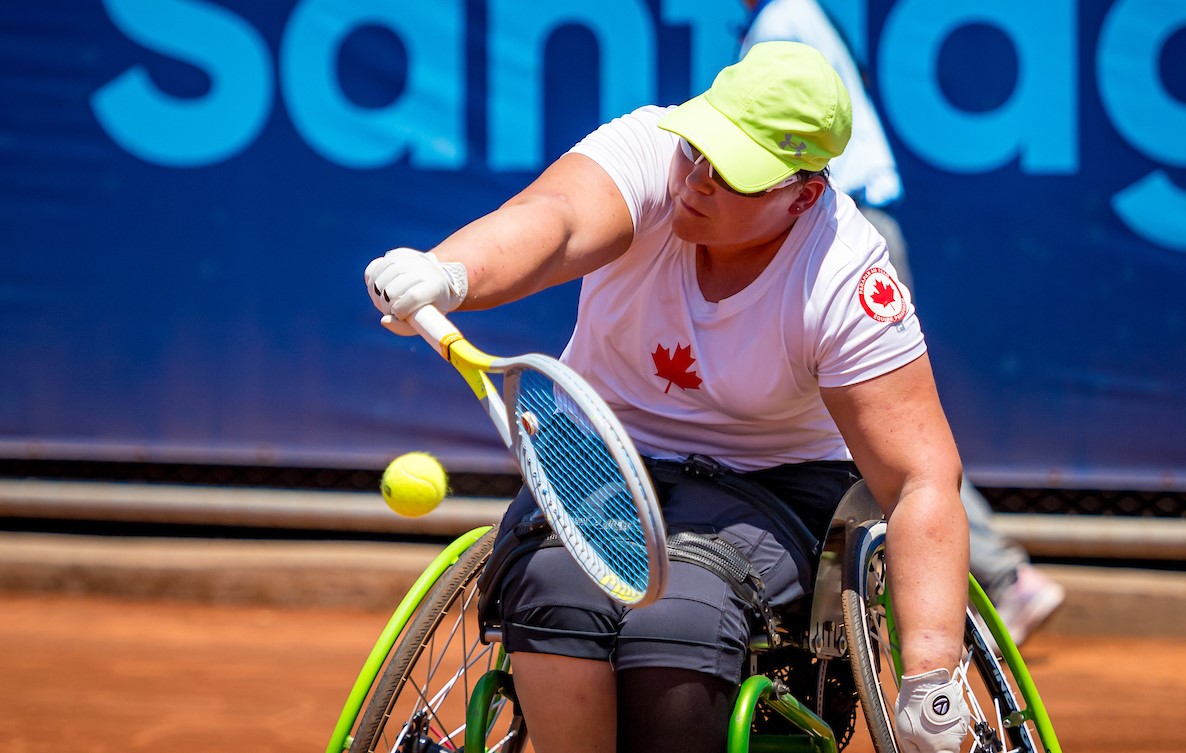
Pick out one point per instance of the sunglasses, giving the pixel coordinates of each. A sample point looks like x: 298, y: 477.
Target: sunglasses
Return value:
x: 695, y: 156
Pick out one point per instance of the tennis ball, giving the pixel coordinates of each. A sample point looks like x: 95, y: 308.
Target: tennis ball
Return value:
x: 414, y: 484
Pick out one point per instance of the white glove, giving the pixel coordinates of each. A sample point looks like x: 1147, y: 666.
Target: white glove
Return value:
x: 404, y: 280
x: 932, y: 716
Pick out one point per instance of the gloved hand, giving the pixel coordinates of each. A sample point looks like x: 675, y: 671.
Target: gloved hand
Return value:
x: 931, y: 715
x: 404, y: 280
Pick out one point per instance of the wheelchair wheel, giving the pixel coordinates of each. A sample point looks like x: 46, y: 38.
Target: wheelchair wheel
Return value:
x: 419, y: 705
x: 999, y: 722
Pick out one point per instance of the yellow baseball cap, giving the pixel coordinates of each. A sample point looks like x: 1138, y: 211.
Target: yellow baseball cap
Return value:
x: 781, y: 109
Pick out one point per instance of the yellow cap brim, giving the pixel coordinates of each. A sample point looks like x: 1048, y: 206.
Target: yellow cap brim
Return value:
x: 742, y: 162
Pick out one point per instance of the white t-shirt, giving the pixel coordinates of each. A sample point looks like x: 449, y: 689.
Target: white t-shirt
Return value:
x: 866, y: 169
x: 738, y: 379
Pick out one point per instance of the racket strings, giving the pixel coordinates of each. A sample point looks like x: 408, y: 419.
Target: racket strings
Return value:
x: 583, y: 473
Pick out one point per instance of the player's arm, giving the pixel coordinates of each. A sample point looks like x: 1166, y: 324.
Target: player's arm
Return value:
x: 900, y: 440
x: 568, y: 222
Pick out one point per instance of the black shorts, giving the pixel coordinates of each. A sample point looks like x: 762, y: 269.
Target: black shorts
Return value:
x: 548, y: 605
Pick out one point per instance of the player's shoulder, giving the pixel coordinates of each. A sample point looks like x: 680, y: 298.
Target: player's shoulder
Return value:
x: 844, y: 248
x: 855, y: 242
x: 636, y: 154
x: 652, y: 112
x: 639, y: 126
x: 645, y: 118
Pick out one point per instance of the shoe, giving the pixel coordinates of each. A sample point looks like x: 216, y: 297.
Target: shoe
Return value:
x: 1028, y: 602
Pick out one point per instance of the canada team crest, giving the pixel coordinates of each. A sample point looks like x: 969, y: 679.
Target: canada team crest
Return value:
x: 881, y: 296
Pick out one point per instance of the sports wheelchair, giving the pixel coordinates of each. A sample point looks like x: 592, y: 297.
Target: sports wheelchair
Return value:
x: 434, y: 683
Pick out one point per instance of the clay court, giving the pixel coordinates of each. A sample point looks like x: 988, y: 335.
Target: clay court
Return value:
x: 102, y: 674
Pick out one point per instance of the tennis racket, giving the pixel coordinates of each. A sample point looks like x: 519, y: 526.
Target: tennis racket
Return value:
x: 574, y: 456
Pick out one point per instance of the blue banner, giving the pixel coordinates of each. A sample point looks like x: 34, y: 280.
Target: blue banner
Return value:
x: 190, y: 190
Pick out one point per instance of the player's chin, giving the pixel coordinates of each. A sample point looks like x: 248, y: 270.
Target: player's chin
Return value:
x: 690, y: 227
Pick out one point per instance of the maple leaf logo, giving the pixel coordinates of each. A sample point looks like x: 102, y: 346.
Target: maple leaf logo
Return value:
x: 676, y: 369
x: 883, y: 295
x: 879, y: 288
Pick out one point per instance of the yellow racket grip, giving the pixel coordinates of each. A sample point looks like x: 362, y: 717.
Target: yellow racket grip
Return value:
x: 458, y: 351
x: 469, y: 362
x: 437, y: 330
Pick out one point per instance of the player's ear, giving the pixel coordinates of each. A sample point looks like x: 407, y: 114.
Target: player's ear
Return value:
x: 812, y: 190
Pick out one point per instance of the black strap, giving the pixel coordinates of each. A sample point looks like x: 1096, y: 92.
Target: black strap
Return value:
x: 724, y: 560
x: 778, y: 510
x: 530, y: 533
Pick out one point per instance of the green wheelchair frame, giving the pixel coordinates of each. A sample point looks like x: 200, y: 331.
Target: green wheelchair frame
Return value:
x: 851, y: 621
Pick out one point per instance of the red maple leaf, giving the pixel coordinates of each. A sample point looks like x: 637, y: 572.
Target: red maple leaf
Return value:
x: 676, y: 369
x: 884, y: 295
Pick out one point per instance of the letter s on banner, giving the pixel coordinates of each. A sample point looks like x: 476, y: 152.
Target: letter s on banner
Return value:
x: 166, y: 130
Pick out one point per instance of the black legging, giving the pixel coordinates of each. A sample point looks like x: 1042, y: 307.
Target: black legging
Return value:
x: 673, y: 709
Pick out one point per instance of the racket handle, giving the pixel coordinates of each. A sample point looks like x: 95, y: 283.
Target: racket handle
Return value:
x: 430, y: 324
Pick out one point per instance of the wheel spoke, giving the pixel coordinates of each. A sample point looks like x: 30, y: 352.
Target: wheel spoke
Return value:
x: 422, y: 698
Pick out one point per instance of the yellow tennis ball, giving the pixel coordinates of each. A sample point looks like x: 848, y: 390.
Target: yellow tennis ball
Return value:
x: 414, y: 484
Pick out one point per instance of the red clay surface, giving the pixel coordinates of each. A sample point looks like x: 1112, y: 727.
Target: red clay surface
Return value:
x: 89, y: 674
